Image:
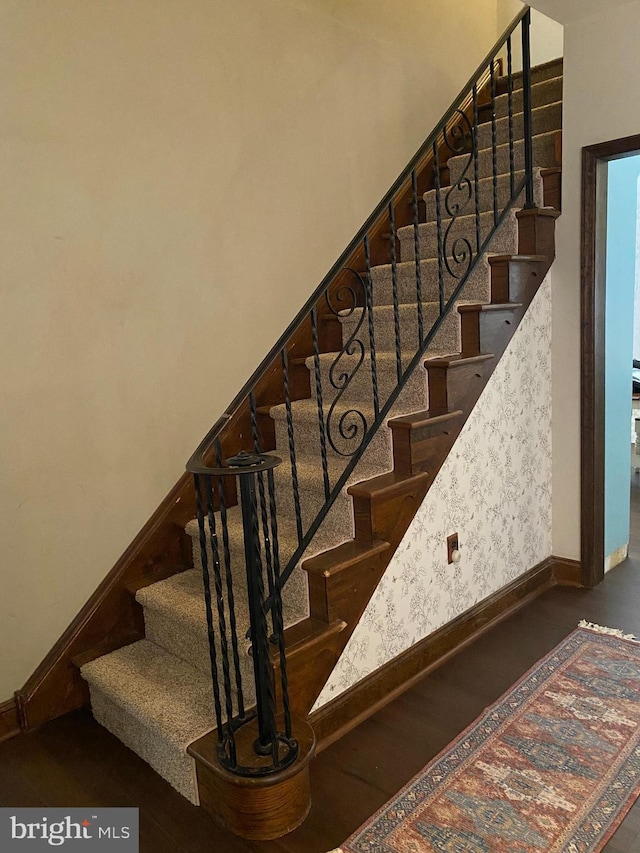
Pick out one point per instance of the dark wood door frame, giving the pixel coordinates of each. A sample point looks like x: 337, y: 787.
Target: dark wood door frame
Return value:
x: 595, y: 159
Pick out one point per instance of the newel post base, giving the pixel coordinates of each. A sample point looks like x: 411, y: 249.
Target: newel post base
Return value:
x: 259, y: 808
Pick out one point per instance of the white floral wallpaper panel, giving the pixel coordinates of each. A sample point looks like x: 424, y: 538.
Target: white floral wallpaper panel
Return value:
x: 494, y: 490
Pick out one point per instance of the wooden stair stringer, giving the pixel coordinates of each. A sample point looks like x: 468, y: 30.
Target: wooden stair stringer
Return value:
x: 342, y: 580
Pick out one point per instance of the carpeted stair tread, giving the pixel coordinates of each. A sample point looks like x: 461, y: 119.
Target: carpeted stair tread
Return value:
x: 544, y: 156
x: 162, y: 690
x: 546, y: 71
x: 542, y: 93
x: 477, y: 286
x: 156, y: 704
x: 544, y: 119
x: 463, y: 227
x: 485, y: 195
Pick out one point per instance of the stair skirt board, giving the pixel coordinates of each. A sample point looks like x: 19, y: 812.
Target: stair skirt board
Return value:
x: 156, y: 694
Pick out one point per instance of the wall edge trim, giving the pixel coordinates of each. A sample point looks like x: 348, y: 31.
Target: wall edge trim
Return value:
x: 379, y: 688
x: 9, y: 719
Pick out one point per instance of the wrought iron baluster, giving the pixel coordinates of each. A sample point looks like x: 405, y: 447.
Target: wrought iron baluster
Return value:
x: 372, y: 336
x: 265, y: 700
x: 494, y: 143
x: 394, y: 284
x: 292, y: 443
x: 416, y: 252
x: 277, y: 606
x: 512, y: 161
x: 210, y: 626
x: 222, y: 622
x: 319, y: 403
x: 261, y: 492
x: 436, y: 177
x: 526, y: 105
x: 224, y: 523
x: 476, y: 166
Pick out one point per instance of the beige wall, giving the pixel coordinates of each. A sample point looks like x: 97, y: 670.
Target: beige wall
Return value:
x: 601, y: 102
x: 176, y: 178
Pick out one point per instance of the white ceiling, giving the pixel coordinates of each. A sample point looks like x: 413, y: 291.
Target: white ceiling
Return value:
x: 570, y: 10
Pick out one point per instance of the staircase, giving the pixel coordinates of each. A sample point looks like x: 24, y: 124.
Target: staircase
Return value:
x: 338, y: 528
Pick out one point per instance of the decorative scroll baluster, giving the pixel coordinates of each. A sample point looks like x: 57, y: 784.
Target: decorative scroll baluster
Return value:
x: 222, y: 502
x: 292, y: 443
x: 321, y: 424
x: 372, y: 336
x: 276, y: 608
x: 512, y: 161
x: 436, y: 178
x: 494, y: 145
x: 210, y: 626
x: 394, y: 284
x: 476, y: 166
x: 526, y: 107
x: 416, y: 252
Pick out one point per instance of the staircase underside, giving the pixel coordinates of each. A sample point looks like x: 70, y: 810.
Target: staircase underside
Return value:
x: 155, y: 693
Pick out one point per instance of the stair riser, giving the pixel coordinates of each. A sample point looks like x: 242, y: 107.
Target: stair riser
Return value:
x: 361, y: 385
x: 382, y: 284
x: 460, y: 387
x: 446, y: 339
x: 166, y: 758
x: 544, y: 119
x: 380, y: 517
x: 546, y: 92
x: 484, y: 332
x: 538, y: 75
x: 413, y: 453
x: 462, y: 229
x: 514, y: 280
x: 191, y: 643
x: 544, y: 156
x: 311, y: 490
x: 466, y: 198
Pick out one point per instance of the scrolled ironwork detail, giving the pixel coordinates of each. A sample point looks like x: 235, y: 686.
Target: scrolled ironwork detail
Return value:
x: 460, y: 194
x: 352, y: 424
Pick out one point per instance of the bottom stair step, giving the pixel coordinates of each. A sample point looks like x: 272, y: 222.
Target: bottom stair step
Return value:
x: 156, y: 704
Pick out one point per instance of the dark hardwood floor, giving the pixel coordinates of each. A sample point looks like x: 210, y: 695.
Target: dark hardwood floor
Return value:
x: 75, y: 762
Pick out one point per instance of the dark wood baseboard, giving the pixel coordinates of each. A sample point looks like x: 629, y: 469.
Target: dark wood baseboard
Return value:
x: 9, y: 719
x: 567, y: 572
x: 344, y: 713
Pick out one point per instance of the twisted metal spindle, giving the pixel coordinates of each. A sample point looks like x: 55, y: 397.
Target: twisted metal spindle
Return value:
x: 224, y: 523
x: 292, y: 443
x: 526, y: 107
x: 209, y: 612
x: 476, y: 166
x: 512, y: 160
x: 222, y: 622
x: 277, y: 606
x: 494, y: 143
x: 319, y: 403
x: 436, y: 177
x: 416, y: 253
x: 372, y: 336
x: 394, y: 284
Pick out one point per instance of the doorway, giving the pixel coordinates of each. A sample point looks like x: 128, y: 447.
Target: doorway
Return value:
x: 600, y: 525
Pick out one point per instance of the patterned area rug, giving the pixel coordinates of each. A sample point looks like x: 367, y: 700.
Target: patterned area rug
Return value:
x: 553, y: 766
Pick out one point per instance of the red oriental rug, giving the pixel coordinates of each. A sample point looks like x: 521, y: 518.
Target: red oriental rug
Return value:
x: 553, y: 766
